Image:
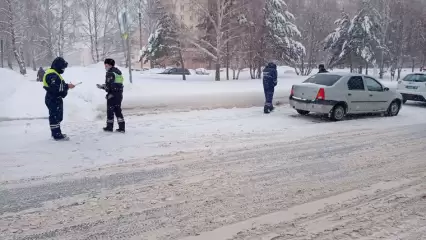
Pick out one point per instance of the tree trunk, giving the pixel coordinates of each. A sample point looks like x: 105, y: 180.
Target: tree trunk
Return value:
x: 61, y: 39
x: 413, y: 64
x: 9, y: 56
x: 2, y: 53
x: 227, y: 61
x: 15, y: 49
x: 50, y: 53
x: 34, y: 64
x: 252, y: 71
x: 366, y: 69
x: 217, y: 74
x: 238, y: 74
x: 96, y: 28
x: 181, y: 62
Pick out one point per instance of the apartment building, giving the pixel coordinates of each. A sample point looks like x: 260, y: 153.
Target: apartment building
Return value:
x: 187, y: 12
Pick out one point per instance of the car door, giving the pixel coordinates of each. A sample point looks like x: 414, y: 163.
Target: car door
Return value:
x: 379, y: 98
x: 357, y: 95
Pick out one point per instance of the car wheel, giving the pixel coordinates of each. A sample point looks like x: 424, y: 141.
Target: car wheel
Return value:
x: 338, y: 113
x: 302, y: 112
x: 393, y: 109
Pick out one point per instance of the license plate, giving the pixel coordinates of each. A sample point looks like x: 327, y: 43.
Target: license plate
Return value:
x: 411, y: 87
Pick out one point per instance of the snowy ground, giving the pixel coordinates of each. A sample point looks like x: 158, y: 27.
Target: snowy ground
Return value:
x: 210, y: 174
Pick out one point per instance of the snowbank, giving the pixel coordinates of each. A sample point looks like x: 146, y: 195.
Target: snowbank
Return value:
x: 23, y: 97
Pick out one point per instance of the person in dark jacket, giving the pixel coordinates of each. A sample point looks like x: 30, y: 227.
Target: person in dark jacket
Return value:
x: 114, y: 88
x: 40, y: 74
x: 269, y: 83
x: 322, y: 69
x: 56, y: 90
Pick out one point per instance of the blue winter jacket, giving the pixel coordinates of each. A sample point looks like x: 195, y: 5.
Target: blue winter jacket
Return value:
x: 270, y: 76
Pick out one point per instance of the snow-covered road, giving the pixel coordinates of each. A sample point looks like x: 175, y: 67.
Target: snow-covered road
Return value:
x: 217, y: 174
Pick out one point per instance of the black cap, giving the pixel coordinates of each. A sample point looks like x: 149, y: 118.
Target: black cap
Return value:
x: 109, y: 61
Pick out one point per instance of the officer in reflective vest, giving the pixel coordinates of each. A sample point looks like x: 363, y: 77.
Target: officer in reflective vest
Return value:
x: 114, y: 88
x: 56, y: 90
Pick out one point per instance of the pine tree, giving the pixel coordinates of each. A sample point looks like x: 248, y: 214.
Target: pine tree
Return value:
x: 335, y: 40
x: 156, y: 47
x: 364, y: 35
x: 166, y: 41
x: 282, y: 32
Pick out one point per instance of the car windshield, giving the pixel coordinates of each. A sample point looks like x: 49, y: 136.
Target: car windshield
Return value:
x: 323, y: 79
x: 415, y: 78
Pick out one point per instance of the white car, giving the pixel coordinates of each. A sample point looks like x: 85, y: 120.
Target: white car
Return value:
x: 340, y: 94
x: 413, y: 87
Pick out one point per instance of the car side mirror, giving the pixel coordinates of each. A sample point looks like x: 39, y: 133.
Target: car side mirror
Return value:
x: 386, y: 89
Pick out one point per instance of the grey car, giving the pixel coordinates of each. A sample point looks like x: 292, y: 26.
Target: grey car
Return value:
x: 338, y: 94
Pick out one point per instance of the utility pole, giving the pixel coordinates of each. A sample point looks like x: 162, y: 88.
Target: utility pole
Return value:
x: 140, y: 34
x: 1, y: 52
x: 126, y: 36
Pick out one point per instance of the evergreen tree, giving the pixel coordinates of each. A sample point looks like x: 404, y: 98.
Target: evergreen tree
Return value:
x: 158, y: 42
x: 364, y: 35
x: 282, y: 32
x: 335, y: 40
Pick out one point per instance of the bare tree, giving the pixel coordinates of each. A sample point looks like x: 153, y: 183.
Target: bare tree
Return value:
x: 216, y: 14
x: 15, y: 23
x: 98, y: 27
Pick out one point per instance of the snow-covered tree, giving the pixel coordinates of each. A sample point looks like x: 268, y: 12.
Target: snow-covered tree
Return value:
x: 358, y: 41
x: 334, y: 41
x: 282, y: 33
x: 167, y: 41
x: 98, y: 27
x: 314, y: 20
x: 15, y: 22
x: 365, y: 34
x: 218, y: 28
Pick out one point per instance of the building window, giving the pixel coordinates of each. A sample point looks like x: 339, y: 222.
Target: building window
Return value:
x: 182, y: 7
x: 181, y: 17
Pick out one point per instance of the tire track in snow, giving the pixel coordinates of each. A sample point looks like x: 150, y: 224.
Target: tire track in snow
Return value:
x: 210, y: 190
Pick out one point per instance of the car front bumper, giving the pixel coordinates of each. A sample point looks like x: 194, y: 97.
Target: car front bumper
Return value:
x: 413, y: 96
x: 317, y: 106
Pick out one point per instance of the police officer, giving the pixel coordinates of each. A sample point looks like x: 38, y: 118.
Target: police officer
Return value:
x: 56, y: 90
x: 269, y: 83
x: 114, y: 88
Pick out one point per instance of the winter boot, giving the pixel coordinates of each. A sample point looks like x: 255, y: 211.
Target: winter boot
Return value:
x: 107, y: 129
x: 266, y: 109
x: 63, y: 137
x: 121, y: 127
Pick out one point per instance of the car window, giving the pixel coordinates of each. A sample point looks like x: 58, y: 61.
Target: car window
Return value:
x: 173, y: 70
x: 373, y: 85
x: 356, y: 84
x: 415, y: 78
x: 323, y: 79
x: 187, y: 71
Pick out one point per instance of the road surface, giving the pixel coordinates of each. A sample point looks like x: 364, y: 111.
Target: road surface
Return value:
x: 365, y: 182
